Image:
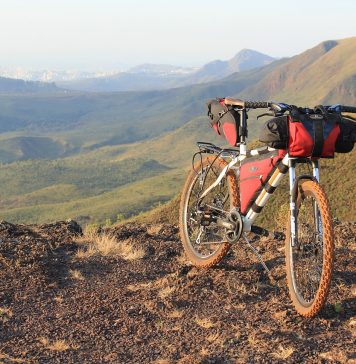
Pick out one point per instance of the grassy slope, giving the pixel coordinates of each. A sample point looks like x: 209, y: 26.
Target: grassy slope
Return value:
x: 312, y: 77
x: 135, y: 198
x: 88, y: 183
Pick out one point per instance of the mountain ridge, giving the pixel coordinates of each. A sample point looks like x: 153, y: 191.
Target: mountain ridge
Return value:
x: 154, y: 76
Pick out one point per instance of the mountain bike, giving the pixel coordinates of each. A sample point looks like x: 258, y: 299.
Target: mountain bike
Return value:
x: 227, y: 189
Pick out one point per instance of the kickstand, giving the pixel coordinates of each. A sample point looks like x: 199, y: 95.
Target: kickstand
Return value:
x: 258, y: 257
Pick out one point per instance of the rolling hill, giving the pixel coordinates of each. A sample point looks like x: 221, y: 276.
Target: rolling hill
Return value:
x: 11, y: 85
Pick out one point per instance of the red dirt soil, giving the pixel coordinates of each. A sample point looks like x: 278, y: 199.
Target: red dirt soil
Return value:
x: 159, y: 309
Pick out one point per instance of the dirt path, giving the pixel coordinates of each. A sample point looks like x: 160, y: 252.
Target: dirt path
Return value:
x: 154, y: 308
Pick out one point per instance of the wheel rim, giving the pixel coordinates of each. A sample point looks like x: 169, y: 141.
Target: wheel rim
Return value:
x: 219, y: 197
x: 307, y: 255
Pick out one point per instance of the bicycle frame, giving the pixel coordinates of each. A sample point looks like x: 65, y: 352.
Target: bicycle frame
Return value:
x: 286, y: 164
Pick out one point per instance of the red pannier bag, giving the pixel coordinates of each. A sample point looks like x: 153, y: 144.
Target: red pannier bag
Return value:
x: 225, y: 120
x: 254, y: 173
x: 311, y: 135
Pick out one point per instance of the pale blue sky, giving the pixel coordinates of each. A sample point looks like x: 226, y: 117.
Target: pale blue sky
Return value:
x: 105, y: 34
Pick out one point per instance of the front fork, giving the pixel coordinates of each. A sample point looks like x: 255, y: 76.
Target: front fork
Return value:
x: 293, y: 200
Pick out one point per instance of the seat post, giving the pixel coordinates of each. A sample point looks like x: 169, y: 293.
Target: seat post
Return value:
x: 243, y: 131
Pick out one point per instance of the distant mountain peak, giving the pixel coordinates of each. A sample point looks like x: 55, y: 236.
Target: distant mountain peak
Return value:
x: 244, y: 60
x: 247, y: 59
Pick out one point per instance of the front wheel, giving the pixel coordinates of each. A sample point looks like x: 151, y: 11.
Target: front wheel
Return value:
x: 309, y: 263
x: 204, y: 241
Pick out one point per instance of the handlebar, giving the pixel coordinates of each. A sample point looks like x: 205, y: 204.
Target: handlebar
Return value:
x: 281, y: 108
x: 342, y: 108
x: 257, y: 104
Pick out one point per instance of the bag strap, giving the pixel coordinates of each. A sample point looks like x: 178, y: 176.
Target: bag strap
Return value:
x: 318, y: 129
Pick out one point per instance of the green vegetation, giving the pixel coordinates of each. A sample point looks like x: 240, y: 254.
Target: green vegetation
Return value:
x: 23, y: 148
x: 130, y: 199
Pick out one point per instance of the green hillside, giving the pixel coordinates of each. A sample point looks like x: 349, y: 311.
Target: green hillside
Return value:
x: 27, y: 147
x: 120, y: 202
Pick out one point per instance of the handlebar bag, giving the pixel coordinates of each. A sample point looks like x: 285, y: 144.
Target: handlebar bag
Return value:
x: 347, y: 138
x: 304, y: 135
x: 224, y: 120
x: 275, y: 132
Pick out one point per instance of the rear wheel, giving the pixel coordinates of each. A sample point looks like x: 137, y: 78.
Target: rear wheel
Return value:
x: 309, y: 263
x: 204, y: 241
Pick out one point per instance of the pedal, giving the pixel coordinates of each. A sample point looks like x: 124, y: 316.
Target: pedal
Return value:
x: 259, y: 231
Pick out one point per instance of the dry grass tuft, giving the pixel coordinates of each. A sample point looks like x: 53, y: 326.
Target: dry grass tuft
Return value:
x: 76, y: 274
x: 105, y: 244
x: 284, y: 352
x: 214, y: 337
x: 182, y: 259
x: 9, y: 359
x: 175, y: 314
x: 87, y: 252
x: 139, y: 286
x: 57, y: 345
x: 204, y: 323
x: 128, y: 252
x: 58, y: 299
x: 5, y: 314
x: 165, y: 292
x: 154, y: 229
x: 162, y: 361
x: 336, y: 356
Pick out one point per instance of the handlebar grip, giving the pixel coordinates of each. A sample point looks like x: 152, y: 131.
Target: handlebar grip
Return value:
x: 351, y: 109
x: 257, y: 104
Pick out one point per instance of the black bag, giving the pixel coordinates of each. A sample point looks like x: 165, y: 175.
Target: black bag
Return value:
x: 225, y: 120
x: 347, y: 138
x: 275, y: 133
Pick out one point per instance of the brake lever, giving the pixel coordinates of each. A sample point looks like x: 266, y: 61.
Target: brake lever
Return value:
x: 265, y: 114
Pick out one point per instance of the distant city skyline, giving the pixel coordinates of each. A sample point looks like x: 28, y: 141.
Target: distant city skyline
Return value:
x: 106, y: 35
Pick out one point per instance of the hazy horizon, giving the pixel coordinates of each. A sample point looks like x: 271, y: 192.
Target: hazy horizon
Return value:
x: 116, y: 35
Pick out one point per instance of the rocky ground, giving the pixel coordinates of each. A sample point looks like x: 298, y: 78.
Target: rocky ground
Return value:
x: 145, y: 304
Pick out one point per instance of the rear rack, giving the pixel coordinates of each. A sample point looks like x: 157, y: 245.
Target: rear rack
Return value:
x: 211, y: 148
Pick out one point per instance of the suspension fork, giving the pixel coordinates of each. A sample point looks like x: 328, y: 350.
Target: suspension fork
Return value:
x: 292, y: 203
x: 316, y: 176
